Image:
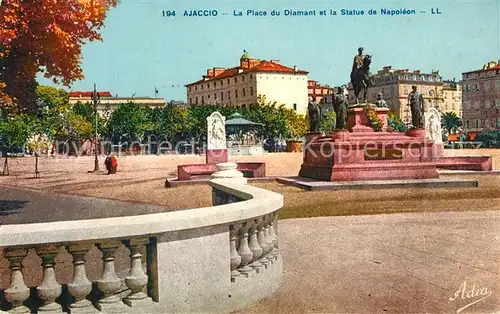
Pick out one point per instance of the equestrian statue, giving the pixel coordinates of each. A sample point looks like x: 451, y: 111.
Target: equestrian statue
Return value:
x: 360, y: 74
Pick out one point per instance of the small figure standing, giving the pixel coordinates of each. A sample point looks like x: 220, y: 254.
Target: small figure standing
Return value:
x: 380, y: 101
x: 416, y: 103
x: 314, y: 112
x: 111, y: 164
x: 340, y: 107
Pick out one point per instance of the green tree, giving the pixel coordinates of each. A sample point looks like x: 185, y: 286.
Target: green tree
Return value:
x: 174, y: 123
x: 489, y: 138
x: 87, y: 112
x: 129, y: 122
x: 296, y: 125
x: 14, y: 133
x: 270, y: 115
x: 60, y: 120
x: 451, y: 122
x: 51, y: 97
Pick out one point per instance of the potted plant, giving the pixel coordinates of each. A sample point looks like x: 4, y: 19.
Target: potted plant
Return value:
x: 296, y: 128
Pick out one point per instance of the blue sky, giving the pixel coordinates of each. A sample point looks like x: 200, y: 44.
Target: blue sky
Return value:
x: 142, y: 49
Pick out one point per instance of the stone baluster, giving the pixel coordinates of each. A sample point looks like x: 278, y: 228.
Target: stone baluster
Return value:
x: 80, y: 286
x: 276, y: 231
x: 109, y: 284
x: 274, y: 236
x: 17, y: 292
x: 261, y: 237
x: 233, y: 253
x: 244, y: 250
x: 49, y: 290
x: 254, y: 247
x: 268, y: 238
x: 137, y: 279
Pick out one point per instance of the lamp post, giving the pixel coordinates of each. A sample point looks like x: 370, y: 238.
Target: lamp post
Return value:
x: 95, y: 98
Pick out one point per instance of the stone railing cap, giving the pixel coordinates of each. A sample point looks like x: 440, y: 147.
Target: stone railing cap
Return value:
x: 257, y: 202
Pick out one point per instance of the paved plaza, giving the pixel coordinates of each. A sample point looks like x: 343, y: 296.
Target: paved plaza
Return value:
x: 398, y: 263
x: 385, y: 263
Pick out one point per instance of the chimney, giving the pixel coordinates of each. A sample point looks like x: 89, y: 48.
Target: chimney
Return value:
x: 253, y: 62
x: 211, y: 72
x: 295, y: 68
x: 245, y: 64
x: 218, y: 71
x: 275, y: 61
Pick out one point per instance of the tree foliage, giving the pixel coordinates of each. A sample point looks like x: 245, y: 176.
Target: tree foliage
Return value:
x: 59, y: 120
x: 296, y: 126
x: 129, y: 122
x: 14, y: 132
x: 38, y: 144
x: 451, y: 122
x: 44, y: 36
x: 489, y: 138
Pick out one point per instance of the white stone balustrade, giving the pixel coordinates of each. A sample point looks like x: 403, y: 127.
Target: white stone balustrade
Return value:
x: 215, y: 259
x: 80, y: 286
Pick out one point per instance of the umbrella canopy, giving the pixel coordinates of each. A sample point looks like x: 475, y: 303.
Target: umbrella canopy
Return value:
x: 237, y: 119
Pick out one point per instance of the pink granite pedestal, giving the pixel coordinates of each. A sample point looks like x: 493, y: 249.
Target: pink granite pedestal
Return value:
x: 357, y: 120
x: 363, y: 154
x: 216, y: 156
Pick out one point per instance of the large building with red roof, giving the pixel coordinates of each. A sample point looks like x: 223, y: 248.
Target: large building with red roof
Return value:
x: 241, y: 85
x: 481, y: 99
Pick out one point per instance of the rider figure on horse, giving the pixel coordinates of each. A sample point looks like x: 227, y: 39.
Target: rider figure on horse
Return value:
x: 360, y: 74
x: 358, y: 62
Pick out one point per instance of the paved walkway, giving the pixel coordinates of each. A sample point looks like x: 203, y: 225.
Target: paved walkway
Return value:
x: 399, y: 263
x: 18, y: 206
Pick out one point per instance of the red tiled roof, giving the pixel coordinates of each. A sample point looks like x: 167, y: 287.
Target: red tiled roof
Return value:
x: 496, y: 67
x: 267, y: 66
x: 89, y: 94
x: 262, y: 66
x: 226, y: 73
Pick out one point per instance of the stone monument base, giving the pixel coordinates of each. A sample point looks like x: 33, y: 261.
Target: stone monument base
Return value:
x: 363, y: 154
x: 216, y: 156
x: 416, y: 132
x: 368, y: 156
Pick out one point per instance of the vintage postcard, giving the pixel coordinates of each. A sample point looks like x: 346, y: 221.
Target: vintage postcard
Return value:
x: 249, y: 156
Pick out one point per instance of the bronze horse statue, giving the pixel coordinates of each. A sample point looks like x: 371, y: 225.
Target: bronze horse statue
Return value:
x: 361, y: 80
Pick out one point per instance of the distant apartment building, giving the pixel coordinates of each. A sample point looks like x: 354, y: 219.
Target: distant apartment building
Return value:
x: 241, y: 85
x: 108, y: 103
x: 481, y: 99
x: 318, y: 91
x: 395, y: 86
x: 452, y: 98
